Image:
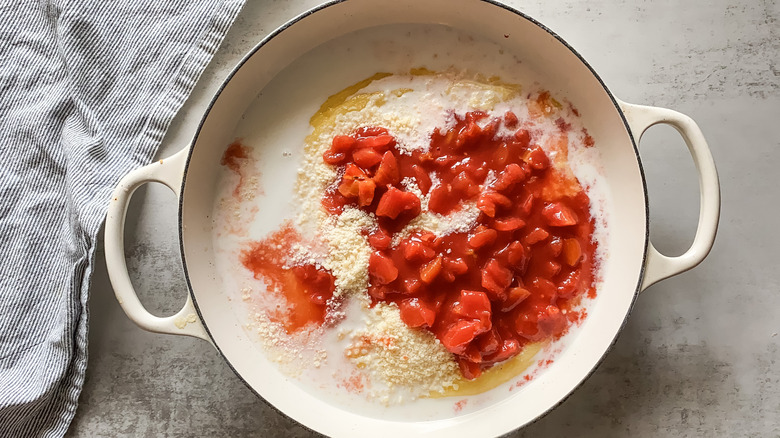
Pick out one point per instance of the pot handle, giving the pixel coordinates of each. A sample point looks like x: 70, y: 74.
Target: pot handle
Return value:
x: 658, y: 266
x: 168, y: 171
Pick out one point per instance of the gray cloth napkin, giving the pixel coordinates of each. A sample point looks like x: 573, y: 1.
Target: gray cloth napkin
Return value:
x: 87, y: 92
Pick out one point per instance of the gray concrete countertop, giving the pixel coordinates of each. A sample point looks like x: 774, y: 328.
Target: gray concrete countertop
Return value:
x: 699, y: 355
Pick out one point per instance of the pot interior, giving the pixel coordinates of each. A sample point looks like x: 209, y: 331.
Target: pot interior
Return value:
x: 268, y: 101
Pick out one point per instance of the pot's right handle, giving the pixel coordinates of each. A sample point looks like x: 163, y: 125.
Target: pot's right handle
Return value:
x: 657, y: 265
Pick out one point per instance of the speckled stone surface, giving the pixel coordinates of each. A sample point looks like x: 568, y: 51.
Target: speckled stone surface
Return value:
x: 699, y: 355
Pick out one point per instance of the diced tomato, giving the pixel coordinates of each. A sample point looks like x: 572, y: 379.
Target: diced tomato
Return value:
x: 315, y: 282
x: 366, y: 157
x: 427, y: 237
x: 487, y: 343
x: 515, y: 255
x: 508, y: 224
x: 472, y: 304
x: 550, y: 268
x: 366, y: 192
x: 349, y: 188
x: 526, y: 325
x: 558, y: 214
x: 334, y: 202
x: 536, y: 235
x: 490, y: 129
x: 556, y: 246
x: 416, y: 313
x: 349, y: 182
x: 441, y: 200
x: 489, y: 202
x: 496, y: 278
x: 417, y: 251
x: 472, y: 353
x: 514, y: 296
x: 469, y: 370
x: 388, y: 172
x: 486, y: 206
x: 394, y: 202
x: 523, y: 137
x: 538, y: 159
x: 500, y: 155
x: 430, y: 270
x: 509, y: 348
x: 510, y: 120
x: 465, y: 185
x: 500, y: 272
x: 468, y: 133
x: 475, y: 305
x: 423, y: 180
x: 457, y: 337
x: 381, y: 268
x: 480, y: 238
x: 378, y: 291
x: 511, y: 175
x: 457, y: 266
x: 572, y: 252
x: 447, y: 275
x: 334, y: 158
x: 379, y: 240
x: 499, y: 199
x: 552, y: 321
x: 527, y: 204
x: 342, y: 143
x: 340, y: 146
x: 412, y: 286
x: 474, y: 116
x: 379, y: 143
x: 543, y: 288
x: 479, y: 173
x: 436, y: 298
x: 568, y: 286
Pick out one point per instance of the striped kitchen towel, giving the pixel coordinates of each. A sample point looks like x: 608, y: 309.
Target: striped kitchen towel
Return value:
x: 88, y: 89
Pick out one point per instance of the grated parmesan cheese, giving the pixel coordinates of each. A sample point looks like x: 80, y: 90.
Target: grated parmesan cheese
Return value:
x: 348, y: 249
x: 289, y: 351
x: 459, y: 221
x: 402, y: 359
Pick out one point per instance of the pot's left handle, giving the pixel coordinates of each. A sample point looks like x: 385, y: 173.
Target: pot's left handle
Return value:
x: 168, y: 171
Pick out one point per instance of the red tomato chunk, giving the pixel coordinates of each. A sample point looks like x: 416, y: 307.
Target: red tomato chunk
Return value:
x: 486, y: 293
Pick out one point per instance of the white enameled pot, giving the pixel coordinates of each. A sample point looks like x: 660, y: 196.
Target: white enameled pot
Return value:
x: 632, y: 265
